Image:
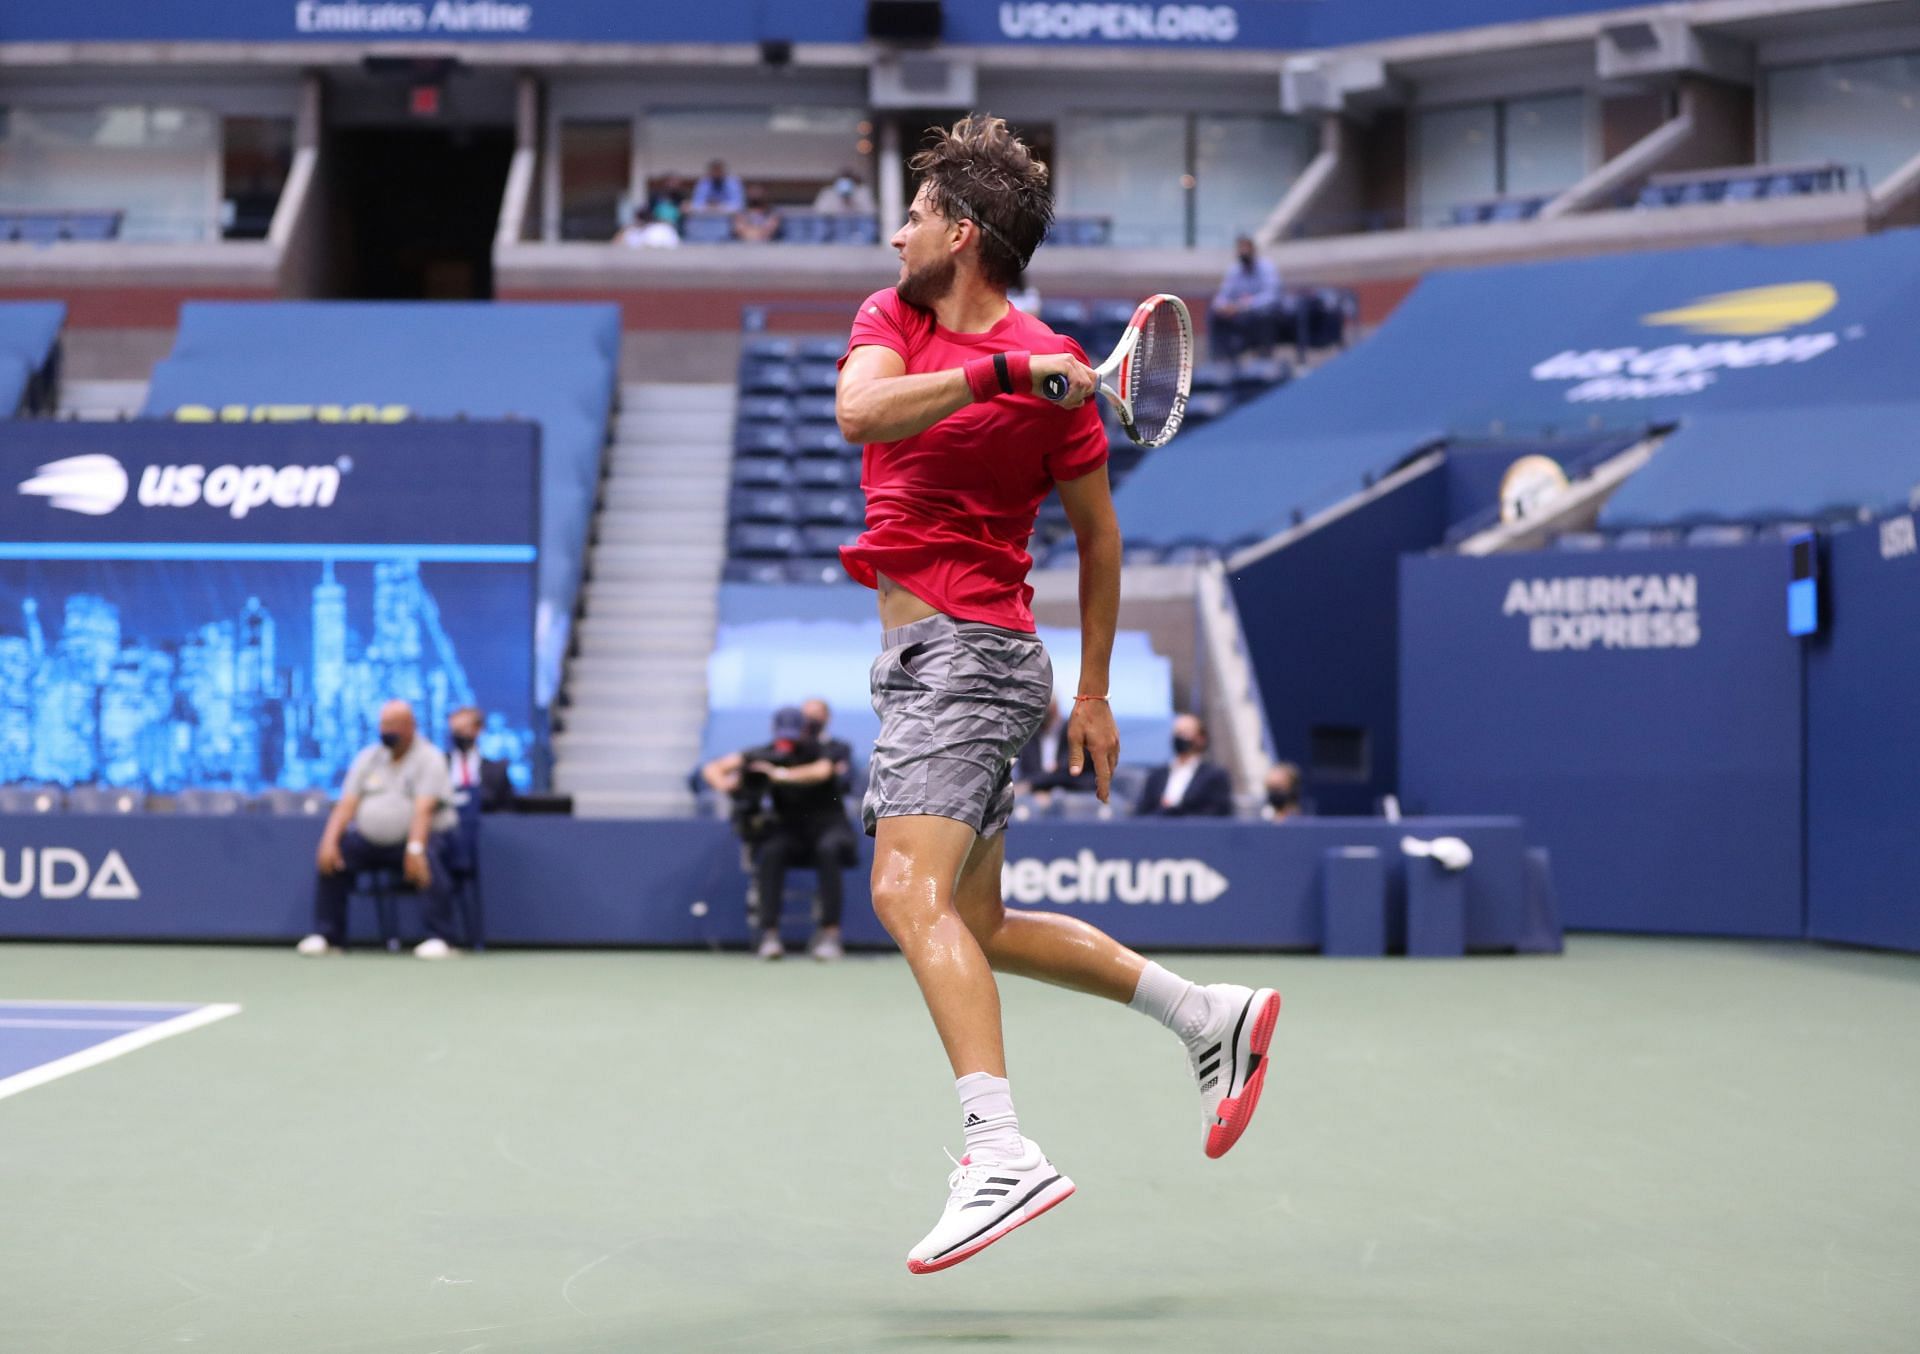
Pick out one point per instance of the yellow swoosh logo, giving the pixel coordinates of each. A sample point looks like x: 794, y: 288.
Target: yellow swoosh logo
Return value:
x: 1757, y: 310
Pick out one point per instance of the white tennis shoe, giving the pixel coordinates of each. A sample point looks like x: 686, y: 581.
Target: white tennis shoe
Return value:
x: 985, y: 1201
x: 1229, y: 1061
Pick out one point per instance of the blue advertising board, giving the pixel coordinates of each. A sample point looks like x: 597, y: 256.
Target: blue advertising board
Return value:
x: 1863, y: 741
x: 1236, y: 23
x: 228, y: 605
x: 1642, y: 708
x: 562, y: 881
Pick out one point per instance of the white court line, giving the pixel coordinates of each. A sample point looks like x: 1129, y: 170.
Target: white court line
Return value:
x: 114, y: 1048
x: 104, y: 1005
x: 34, y: 1023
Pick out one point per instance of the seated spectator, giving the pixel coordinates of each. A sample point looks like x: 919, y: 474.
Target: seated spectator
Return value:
x: 719, y: 191
x: 669, y: 200
x: 395, y: 813
x: 758, y: 222
x: 484, y: 779
x: 846, y: 195
x: 1246, y: 311
x: 806, y: 826
x: 1283, y: 793
x: 1044, y: 764
x: 1189, y: 786
x: 647, y: 232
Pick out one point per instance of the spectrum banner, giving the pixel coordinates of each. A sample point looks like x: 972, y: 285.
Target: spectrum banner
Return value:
x: 227, y: 606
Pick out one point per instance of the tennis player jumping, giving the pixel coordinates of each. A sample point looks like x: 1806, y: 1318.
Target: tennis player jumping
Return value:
x: 943, y: 383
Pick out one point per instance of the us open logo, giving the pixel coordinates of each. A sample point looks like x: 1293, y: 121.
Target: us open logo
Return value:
x: 1751, y: 326
x: 97, y: 485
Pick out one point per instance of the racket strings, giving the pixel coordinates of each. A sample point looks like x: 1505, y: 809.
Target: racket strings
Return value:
x: 1159, y: 363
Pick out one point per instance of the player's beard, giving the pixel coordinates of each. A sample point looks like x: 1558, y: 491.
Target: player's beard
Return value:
x: 922, y: 287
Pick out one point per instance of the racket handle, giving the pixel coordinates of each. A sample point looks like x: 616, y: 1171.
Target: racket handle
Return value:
x: 1055, y: 387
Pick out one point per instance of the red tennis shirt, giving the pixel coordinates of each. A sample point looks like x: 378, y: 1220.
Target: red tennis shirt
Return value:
x: 950, y: 510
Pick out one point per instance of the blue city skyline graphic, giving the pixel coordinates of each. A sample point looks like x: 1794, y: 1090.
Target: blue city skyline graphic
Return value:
x: 250, y: 676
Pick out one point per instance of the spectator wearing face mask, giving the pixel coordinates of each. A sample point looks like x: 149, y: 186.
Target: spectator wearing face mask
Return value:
x: 395, y: 813
x: 1189, y: 786
x: 484, y: 779
x: 1283, y: 793
x: 846, y: 194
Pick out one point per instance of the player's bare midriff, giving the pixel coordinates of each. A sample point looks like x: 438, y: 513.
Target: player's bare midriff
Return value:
x: 899, y: 607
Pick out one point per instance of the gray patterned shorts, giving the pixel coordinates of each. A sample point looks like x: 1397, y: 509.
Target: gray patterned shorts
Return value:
x: 957, y: 701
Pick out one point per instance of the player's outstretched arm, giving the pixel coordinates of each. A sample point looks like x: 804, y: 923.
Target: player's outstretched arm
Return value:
x: 876, y: 401
x: 1091, y: 735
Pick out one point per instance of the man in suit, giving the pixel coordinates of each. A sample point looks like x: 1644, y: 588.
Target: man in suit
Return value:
x: 474, y: 776
x: 1043, y: 765
x: 1189, y: 786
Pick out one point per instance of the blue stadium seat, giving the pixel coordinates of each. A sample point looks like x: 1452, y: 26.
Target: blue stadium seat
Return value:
x: 767, y: 378
x: 821, y: 439
x: 817, y: 378
x: 1063, y: 316
x: 802, y: 228
x: 1580, y: 540
x: 706, y: 228
x: 814, y: 409
x: 854, y: 229
x: 762, y: 505
x: 824, y: 569
x: 765, y: 409
x: 1745, y: 190
x: 1212, y: 376
x: 1208, y: 404
x: 767, y: 438
x: 766, y: 348
x: 762, y: 472
x: 762, y: 540
x: 835, y: 507
x: 821, y: 541
x: 828, y: 349
x: 754, y: 571
x: 817, y: 472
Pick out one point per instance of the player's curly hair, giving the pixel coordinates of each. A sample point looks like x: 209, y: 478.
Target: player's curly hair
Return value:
x: 979, y: 171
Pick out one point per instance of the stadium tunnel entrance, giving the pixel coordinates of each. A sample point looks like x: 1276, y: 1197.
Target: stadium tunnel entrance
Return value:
x: 412, y: 173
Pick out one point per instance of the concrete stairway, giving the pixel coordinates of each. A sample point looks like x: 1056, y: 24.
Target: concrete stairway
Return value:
x: 636, y: 687
x: 102, y: 401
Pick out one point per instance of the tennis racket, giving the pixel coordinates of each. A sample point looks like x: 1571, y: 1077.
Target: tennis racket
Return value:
x: 1150, y: 373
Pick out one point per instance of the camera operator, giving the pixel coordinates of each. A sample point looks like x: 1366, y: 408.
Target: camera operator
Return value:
x: 807, y: 823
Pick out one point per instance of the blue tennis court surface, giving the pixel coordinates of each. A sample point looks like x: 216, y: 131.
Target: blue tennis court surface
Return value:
x: 41, y: 1040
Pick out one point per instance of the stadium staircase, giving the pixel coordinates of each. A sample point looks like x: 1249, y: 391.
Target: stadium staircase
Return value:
x: 636, y: 683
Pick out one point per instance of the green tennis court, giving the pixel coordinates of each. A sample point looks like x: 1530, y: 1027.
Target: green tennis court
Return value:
x: 1642, y: 1146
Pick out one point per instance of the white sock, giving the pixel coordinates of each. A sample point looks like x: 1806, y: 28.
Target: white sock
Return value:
x: 986, y: 1112
x: 1183, y: 1007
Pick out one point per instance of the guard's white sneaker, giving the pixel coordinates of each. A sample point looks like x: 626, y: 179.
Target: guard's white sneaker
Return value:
x: 315, y: 945
x: 770, y: 946
x: 433, y: 948
x: 1229, y: 1061
x: 985, y: 1201
x: 826, y: 945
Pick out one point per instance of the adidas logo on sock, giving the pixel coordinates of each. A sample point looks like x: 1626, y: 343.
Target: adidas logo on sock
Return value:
x: 973, y: 1119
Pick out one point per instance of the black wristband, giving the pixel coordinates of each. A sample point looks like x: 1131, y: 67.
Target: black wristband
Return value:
x: 1000, y: 370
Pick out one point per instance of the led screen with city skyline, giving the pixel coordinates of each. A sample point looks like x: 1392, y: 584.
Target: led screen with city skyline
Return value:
x: 165, y: 675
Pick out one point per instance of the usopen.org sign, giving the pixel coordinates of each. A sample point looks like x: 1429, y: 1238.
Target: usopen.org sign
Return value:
x: 1119, y: 22
x: 1086, y: 878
